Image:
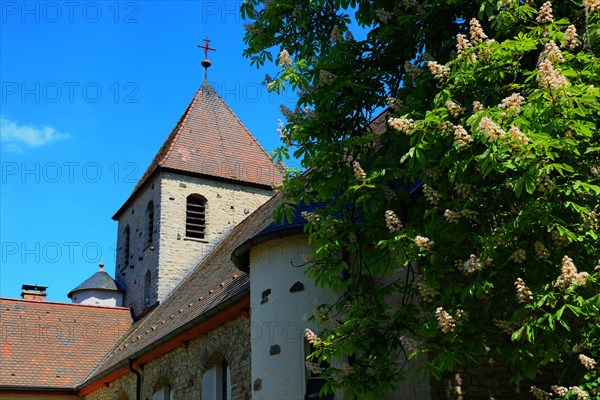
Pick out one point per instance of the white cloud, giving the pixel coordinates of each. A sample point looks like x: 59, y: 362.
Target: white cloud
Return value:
x: 15, y: 137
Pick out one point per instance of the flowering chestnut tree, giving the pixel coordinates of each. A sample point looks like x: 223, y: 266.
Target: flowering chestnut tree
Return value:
x: 453, y: 156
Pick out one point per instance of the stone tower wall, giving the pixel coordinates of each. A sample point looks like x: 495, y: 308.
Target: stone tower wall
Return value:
x: 227, y: 204
x: 143, y: 256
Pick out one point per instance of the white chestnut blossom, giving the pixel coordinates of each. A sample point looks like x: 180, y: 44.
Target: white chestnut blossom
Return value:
x: 545, y: 13
x: 392, y: 221
x: 452, y: 216
x: 540, y: 394
x: 426, y: 292
x: 490, y: 129
x: 569, y: 275
x: 476, y: 32
x: 471, y: 265
x: 516, y: 135
x: 550, y: 77
x: 552, y: 52
x: 359, y: 173
x: 461, y: 137
x: 519, y: 256
x: 326, y: 77
x: 571, y: 40
x: 587, y: 362
x: 336, y: 35
x: 523, y: 292
x: 393, y: 103
x: 462, y: 43
x: 477, y: 106
x: 454, y: 109
x: 284, y: 58
x: 512, y: 102
x: 412, y: 70
x: 431, y: 195
x: 446, y: 323
x: 592, y: 5
x: 541, y: 251
x: 423, y: 243
x: 401, y: 124
x: 441, y: 72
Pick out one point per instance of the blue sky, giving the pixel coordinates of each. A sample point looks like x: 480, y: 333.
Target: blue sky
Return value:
x: 89, y: 91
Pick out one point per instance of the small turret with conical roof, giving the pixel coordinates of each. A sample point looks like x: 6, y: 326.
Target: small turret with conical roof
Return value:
x: 98, y: 290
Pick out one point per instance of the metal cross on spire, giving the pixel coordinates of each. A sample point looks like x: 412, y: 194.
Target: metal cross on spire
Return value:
x: 206, y: 62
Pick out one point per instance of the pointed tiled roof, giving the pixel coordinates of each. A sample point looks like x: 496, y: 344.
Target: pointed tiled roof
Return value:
x: 209, y: 140
x: 100, y: 280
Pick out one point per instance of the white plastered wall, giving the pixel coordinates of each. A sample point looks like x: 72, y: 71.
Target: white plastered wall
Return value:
x: 280, y: 321
x: 95, y: 297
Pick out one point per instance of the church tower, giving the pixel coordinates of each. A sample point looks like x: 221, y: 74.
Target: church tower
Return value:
x: 209, y: 174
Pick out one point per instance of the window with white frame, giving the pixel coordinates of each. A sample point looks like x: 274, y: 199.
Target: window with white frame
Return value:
x: 216, y: 382
x: 164, y: 393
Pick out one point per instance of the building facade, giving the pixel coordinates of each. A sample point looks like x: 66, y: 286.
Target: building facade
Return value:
x: 210, y: 299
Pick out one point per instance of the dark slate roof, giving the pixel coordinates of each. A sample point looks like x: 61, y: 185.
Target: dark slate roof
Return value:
x: 209, y: 140
x: 215, y: 281
x: 100, y: 280
x: 297, y: 221
x: 48, y: 345
x: 240, y: 255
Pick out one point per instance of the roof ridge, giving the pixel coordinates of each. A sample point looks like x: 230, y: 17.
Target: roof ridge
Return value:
x: 63, y: 303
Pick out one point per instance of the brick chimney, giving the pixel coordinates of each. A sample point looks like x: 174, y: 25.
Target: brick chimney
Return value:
x: 34, y: 292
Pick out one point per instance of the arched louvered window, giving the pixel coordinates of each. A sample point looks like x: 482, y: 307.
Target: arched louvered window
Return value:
x: 127, y: 246
x: 150, y: 221
x: 195, y: 217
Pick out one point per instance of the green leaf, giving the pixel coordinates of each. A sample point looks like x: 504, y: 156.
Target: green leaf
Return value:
x: 575, y: 310
x: 518, y: 187
x: 529, y: 184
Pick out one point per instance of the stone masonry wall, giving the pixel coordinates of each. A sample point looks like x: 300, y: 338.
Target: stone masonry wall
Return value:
x: 143, y: 257
x: 182, y: 368
x: 227, y: 204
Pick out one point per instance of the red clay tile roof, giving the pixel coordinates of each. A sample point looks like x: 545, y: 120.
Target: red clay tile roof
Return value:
x: 215, y: 281
x: 209, y: 140
x: 55, y: 345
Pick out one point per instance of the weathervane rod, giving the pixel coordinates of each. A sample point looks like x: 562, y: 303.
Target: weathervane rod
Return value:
x: 206, y: 62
